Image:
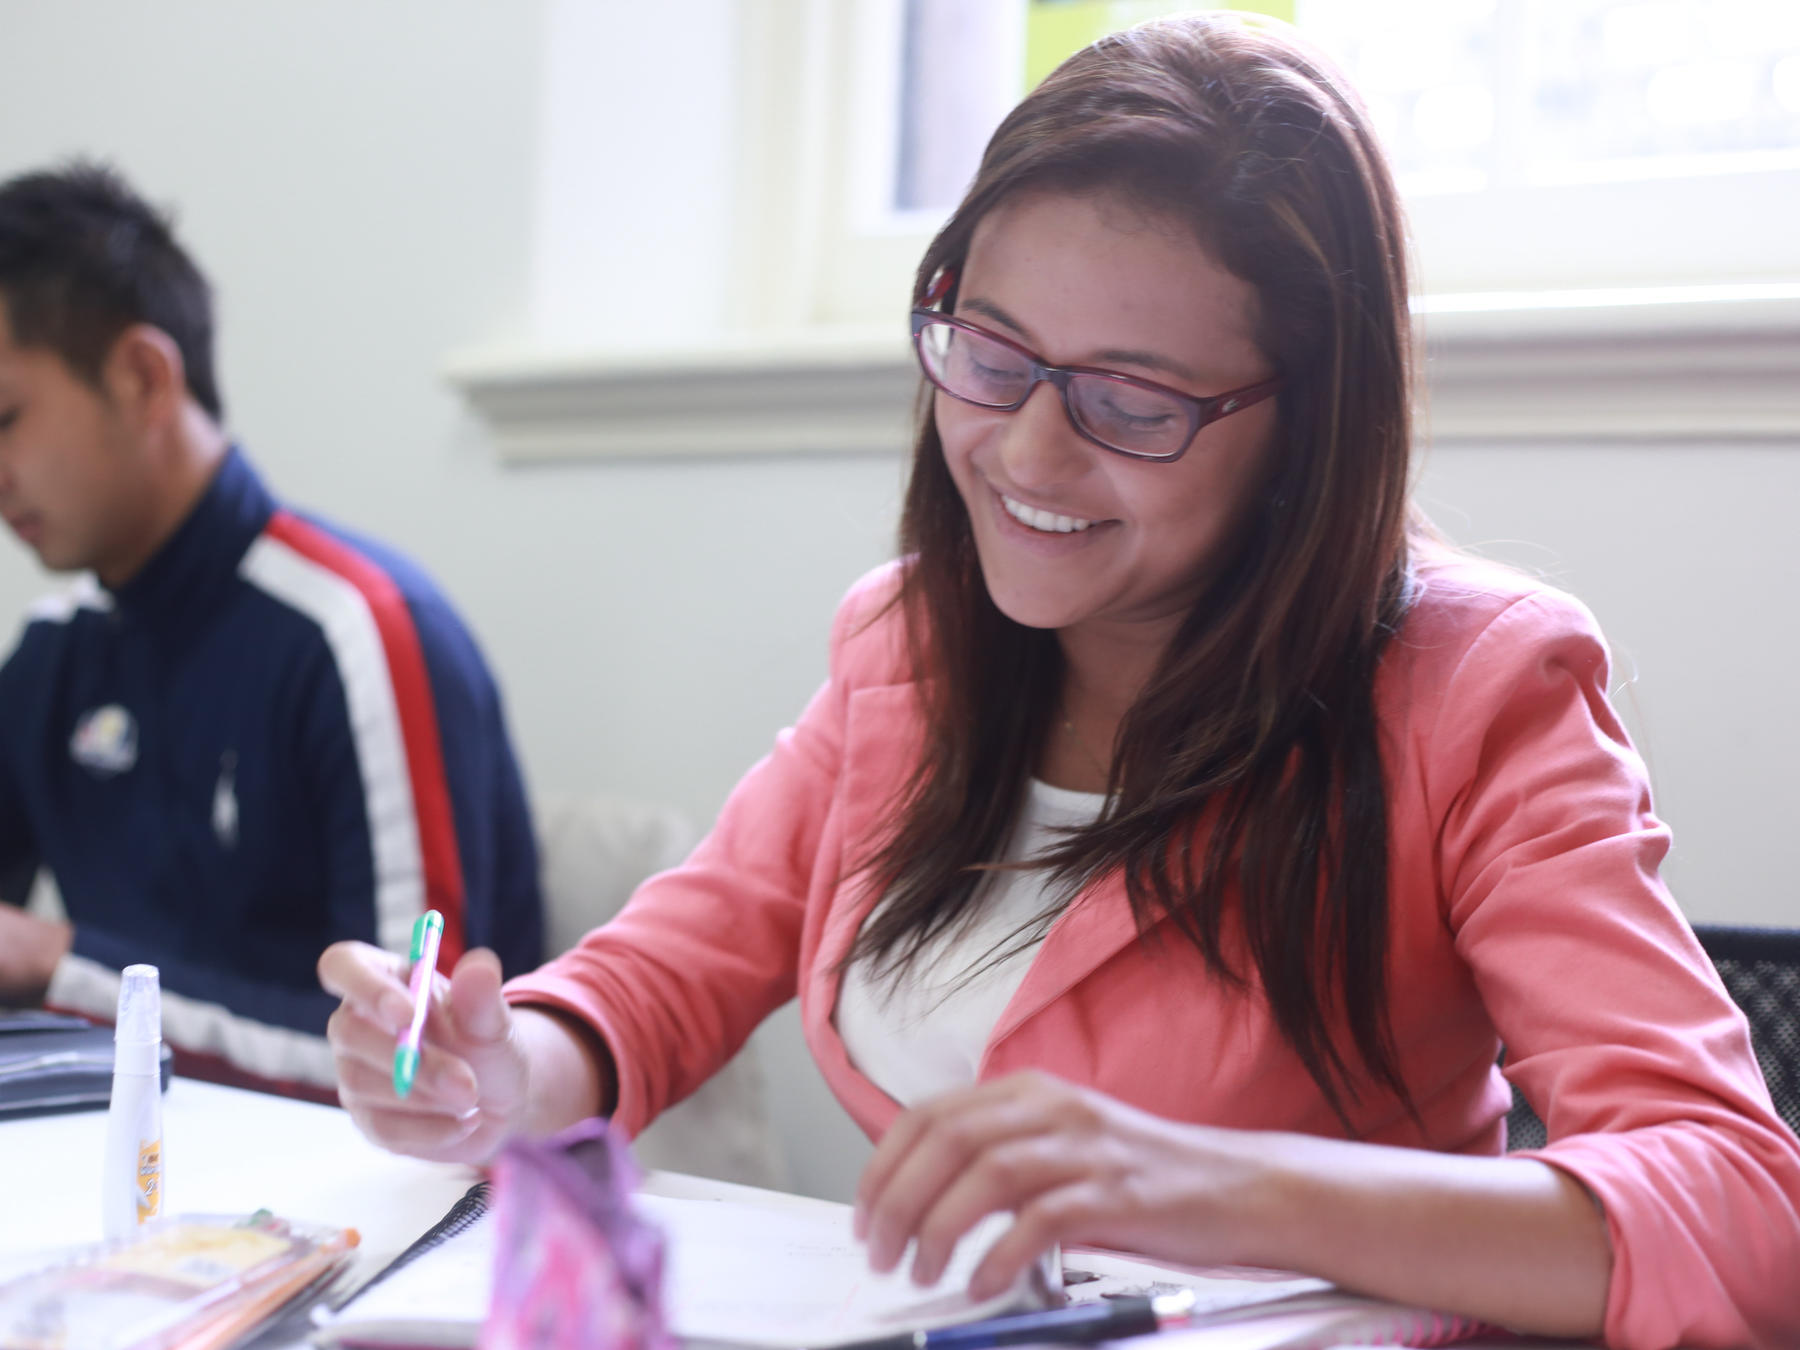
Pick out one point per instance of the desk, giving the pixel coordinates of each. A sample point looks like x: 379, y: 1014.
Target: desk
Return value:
x: 230, y: 1151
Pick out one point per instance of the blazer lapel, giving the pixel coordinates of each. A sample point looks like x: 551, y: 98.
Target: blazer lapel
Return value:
x: 881, y: 738
x: 1096, y: 926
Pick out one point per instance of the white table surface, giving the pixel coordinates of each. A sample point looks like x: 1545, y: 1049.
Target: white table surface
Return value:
x: 230, y: 1152
x: 225, y: 1151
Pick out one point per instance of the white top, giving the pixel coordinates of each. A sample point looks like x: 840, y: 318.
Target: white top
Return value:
x: 928, y: 1035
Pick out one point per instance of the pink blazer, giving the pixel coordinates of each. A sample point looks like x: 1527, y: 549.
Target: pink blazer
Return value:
x: 1526, y: 908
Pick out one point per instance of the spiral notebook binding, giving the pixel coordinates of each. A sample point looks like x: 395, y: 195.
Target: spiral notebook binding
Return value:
x: 472, y: 1206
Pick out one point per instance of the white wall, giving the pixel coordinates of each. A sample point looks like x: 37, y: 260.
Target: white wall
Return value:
x: 360, y: 180
x: 1687, y: 555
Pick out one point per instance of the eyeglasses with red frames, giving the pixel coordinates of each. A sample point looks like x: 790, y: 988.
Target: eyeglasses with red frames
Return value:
x: 1121, y: 413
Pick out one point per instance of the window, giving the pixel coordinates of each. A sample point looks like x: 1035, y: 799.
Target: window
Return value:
x: 1478, y: 95
x: 1541, y: 144
x: 1602, y: 194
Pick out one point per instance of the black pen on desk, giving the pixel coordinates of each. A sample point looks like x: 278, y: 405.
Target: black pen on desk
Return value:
x: 1106, y: 1319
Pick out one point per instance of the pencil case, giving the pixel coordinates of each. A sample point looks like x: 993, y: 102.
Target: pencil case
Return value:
x: 191, y: 1282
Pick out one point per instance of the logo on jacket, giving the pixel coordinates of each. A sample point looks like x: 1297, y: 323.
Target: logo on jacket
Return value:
x: 225, y: 808
x: 105, y: 742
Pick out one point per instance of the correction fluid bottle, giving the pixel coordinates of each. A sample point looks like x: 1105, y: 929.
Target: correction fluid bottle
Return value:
x: 131, y: 1190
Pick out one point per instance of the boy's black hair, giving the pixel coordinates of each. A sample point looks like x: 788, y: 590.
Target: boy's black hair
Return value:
x: 83, y: 257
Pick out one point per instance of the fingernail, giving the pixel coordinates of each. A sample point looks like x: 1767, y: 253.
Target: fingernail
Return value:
x: 395, y: 1011
x: 488, y: 1022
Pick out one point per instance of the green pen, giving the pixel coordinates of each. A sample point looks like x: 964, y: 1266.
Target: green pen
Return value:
x: 428, y: 932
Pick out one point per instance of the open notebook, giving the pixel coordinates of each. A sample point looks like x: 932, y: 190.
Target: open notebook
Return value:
x: 736, y: 1274
x: 786, y: 1273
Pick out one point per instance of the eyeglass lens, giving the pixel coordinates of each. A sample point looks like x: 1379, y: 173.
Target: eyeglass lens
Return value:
x: 1115, y: 411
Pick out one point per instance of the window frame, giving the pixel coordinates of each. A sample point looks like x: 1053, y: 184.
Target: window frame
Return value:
x: 1614, y: 341
x: 837, y: 59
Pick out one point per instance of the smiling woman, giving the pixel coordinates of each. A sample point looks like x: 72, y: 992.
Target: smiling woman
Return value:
x: 1182, y: 827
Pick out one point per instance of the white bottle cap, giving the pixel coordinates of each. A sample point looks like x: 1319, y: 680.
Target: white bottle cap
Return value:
x: 137, y: 1033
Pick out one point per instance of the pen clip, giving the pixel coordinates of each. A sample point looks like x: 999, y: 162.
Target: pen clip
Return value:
x: 422, y: 926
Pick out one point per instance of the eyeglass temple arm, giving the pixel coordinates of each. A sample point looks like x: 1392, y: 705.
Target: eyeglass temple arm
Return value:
x: 1243, y: 398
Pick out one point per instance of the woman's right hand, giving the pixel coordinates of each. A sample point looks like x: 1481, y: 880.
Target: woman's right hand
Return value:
x: 472, y: 1089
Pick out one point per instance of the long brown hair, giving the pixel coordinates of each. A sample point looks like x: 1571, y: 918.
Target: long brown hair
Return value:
x: 1246, y: 799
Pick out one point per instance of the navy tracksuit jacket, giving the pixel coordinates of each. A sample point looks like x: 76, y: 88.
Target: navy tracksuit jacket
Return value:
x: 274, y: 736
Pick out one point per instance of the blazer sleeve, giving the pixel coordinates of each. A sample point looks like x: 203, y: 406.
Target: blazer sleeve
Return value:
x: 1616, y: 1026
x: 701, y: 954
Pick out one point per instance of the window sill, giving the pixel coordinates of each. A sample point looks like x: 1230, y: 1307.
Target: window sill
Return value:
x: 1712, y: 363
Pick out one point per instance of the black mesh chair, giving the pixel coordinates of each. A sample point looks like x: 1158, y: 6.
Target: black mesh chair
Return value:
x: 1761, y: 970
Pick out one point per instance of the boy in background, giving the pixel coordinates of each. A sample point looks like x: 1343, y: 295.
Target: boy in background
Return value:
x: 247, y: 734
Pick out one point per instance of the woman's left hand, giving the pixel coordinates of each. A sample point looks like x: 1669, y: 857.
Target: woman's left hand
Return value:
x: 1071, y: 1164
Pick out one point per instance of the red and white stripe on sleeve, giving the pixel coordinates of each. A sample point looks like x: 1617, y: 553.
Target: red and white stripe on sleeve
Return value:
x: 393, y: 719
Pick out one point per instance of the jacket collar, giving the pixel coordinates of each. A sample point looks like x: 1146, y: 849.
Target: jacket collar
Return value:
x: 184, y: 579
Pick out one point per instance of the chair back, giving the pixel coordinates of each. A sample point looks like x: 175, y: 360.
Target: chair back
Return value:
x: 1760, y: 968
x: 594, y: 851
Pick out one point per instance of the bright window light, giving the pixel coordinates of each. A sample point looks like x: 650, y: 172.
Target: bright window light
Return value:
x: 1709, y: 93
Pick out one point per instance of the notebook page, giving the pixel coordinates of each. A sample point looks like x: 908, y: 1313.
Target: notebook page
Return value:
x: 441, y: 1297
x: 735, y: 1273
x: 753, y: 1276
